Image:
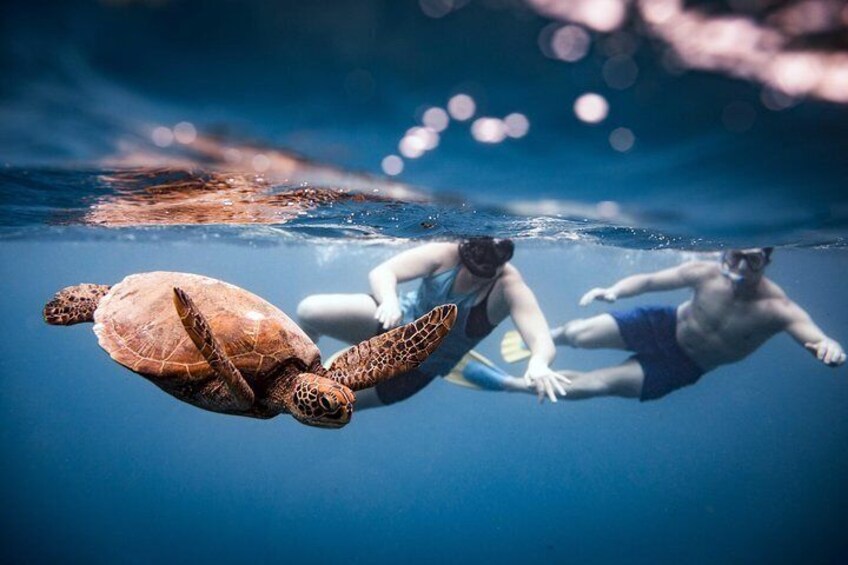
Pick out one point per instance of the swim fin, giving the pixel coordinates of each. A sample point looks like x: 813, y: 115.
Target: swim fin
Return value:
x: 456, y: 377
x: 513, y: 349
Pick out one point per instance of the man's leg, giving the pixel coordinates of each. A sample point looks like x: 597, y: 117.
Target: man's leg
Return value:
x: 346, y: 317
x: 623, y: 380
x: 600, y: 332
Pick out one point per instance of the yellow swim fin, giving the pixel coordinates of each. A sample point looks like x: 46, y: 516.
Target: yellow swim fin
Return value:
x: 513, y: 349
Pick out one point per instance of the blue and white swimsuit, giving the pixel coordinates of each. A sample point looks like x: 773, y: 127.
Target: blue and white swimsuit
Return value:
x: 472, y: 325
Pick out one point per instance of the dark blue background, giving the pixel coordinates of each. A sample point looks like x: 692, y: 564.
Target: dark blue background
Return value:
x: 99, y: 465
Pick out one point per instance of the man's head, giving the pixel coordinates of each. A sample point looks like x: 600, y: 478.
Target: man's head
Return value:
x: 746, y: 265
x: 484, y: 256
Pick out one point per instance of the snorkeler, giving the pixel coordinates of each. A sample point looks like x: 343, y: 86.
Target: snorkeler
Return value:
x: 734, y: 310
x: 476, y: 276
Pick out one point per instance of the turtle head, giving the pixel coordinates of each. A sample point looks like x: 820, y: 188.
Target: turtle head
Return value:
x: 319, y: 401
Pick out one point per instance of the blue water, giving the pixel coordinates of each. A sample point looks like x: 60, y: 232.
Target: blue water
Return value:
x: 101, y: 466
x: 748, y: 465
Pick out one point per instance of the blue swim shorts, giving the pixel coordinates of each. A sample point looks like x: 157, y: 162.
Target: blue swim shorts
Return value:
x: 651, y: 334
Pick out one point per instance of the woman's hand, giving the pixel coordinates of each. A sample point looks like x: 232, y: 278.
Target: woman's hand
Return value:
x: 545, y: 381
x: 389, y: 313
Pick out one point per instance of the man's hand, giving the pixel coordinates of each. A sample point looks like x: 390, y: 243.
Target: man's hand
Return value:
x: 605, y: 294
x: 546, y: 382
x: 827, y: 351
x: 388, y: 313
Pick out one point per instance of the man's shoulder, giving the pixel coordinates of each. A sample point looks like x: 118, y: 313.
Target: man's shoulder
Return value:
x: 770, y: 290
x: 700, y: 271
x: 776, y: 303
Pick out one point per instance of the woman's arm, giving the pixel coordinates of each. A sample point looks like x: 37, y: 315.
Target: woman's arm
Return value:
x: 531, y: 324
x: 407, y: 265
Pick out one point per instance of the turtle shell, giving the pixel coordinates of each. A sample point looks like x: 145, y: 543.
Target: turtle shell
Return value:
x: 138, y: 325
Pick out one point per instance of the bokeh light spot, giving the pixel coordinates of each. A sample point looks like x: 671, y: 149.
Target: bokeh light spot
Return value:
x: 622, y: 139
x: 185, y: 133
x: 488, y: 130
x: 392, y: 165
x: 602, y: 15
x: 412, y: 146
x: 569, y: 43
x: 591, y: 108
x: 429, y: 138
x: 436, y: 119
x: 162, y: 136
x: 461, y: 107
x: 517, y: 125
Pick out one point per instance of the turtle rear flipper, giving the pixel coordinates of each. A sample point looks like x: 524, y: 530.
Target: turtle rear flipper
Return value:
x: 74, y: 304
x: 201, y: 335
x: 394, y: 352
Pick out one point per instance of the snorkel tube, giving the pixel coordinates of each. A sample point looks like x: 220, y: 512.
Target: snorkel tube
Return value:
x: 734, y: 277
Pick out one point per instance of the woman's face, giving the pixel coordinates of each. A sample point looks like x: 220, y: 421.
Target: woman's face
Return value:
x: 477, y: 279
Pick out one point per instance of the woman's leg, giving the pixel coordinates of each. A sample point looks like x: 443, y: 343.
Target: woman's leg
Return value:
x: 346, y: 317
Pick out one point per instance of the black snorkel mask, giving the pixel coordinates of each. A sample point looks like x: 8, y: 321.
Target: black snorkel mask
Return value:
x: 731, y: 259
x: 482, y: 256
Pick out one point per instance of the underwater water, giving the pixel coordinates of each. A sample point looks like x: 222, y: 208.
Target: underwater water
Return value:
x: 747, y: 465
x: 279, y: 189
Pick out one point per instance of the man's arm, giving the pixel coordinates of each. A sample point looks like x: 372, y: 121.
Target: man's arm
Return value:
x: 685, y: 275
x: 531, y: 324
x: 798, y: 323
x: 407, y: 265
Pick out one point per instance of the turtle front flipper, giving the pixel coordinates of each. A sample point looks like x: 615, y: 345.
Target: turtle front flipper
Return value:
x: 74, y: 304
x: 200, y: 332
x: 394, y: 352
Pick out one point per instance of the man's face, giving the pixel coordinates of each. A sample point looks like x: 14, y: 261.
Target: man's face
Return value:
x: 749, y: 263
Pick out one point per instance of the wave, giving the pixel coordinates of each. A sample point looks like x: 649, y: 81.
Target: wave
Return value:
x: 199, y: 204
x: 182, y: 142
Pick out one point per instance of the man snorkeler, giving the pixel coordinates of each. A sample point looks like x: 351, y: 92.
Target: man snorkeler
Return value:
x: 474, y: 274
x: 734, y: 310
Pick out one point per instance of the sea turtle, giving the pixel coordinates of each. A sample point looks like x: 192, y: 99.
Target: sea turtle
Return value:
x: 224, y: 349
